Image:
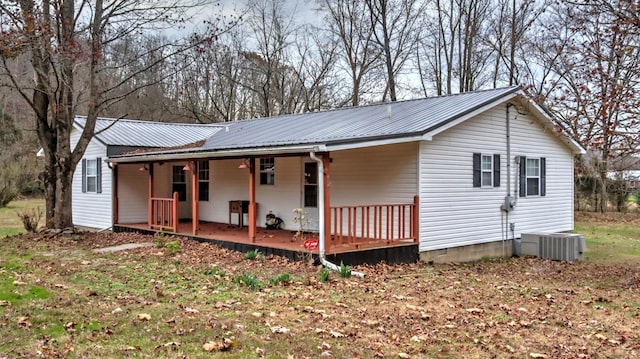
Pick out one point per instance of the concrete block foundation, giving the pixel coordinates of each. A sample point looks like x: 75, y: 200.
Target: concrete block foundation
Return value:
x: 469, y: 253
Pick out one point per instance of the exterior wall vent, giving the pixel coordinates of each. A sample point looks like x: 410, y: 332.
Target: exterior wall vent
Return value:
x: 555, y: 246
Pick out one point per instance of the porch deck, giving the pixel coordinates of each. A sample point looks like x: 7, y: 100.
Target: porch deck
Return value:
x: 281, y: 242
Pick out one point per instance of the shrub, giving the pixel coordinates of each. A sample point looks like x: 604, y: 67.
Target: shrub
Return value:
x: 324, y: 274
x: 252, y: 254
x: 172, y: 247
x: 345, y: 271
x: 284, y: 279
x: 249, y: 280
x: 30, y: 218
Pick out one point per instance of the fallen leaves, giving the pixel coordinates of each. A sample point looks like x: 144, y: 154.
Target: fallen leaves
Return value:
x: 143, y: 316
x: 509, y: 308
x: 219, y: 346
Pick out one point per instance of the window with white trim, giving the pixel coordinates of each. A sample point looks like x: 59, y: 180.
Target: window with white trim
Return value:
x: 267, y: 171
x: 486, y: 170
x: 91, y: 175
x: 533, y: 176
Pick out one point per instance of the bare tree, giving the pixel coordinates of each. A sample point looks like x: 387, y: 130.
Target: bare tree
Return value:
x: 350, y: 23
x: 61, y: 39
x: 597, y: 93
x: 453, y: 46
x: 395, y: 24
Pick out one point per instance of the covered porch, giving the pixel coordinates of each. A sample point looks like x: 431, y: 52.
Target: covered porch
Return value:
x: 363, y: 233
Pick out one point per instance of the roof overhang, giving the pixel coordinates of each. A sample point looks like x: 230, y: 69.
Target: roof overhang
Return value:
x: 231, y: 153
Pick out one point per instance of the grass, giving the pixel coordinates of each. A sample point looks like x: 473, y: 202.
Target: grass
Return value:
x: 610, y: 242
x: 10, y: 223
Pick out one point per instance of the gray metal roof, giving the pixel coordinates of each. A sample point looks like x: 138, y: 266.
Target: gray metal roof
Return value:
x: 134, y: 133
x: 390, y: 120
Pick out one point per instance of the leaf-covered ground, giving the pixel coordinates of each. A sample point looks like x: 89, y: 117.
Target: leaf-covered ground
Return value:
x: 187, y: 299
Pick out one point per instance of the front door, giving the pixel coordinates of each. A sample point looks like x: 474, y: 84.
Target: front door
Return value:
x: 310, y: 195
x: 180, y: 183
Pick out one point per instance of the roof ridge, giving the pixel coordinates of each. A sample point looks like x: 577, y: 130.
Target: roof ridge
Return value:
x: 514, y: 87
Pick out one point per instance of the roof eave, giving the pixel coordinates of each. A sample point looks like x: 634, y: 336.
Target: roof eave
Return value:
x: 231, y: 153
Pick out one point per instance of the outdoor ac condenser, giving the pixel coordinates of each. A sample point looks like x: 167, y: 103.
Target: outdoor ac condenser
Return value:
x: 556, y: 246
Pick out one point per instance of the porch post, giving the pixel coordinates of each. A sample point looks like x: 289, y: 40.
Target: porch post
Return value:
x: 114, y: 195
x: 326, y: 173
x: 252, y: 199
x: 150, y: 209
x: 195, y: 215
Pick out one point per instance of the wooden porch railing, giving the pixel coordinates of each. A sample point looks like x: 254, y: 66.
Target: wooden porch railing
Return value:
x: 377, y: 222
x: 163, y: 213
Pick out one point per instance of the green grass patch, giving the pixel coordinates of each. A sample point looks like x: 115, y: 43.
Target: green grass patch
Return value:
x: 610, y: 242
x: 10, y: 223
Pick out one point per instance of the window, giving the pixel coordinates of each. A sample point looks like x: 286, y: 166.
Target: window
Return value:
x: 91, y: 175
x: 179, y: 183
x: 203, y: 180
x: 311, y: 184
x: 267, y: 171
x: 486, y: 170
x: 532, y: 176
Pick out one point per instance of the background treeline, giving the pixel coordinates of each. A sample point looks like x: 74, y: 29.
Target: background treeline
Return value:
x: 268, y: 57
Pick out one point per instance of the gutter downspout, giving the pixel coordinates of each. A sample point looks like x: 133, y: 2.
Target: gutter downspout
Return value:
x: 321, y: 254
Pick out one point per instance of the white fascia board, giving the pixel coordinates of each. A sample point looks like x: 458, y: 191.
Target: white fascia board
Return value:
x: 459, y: 120
x: 373, y: 143
x: 550, y: 124
x: 267, y: 151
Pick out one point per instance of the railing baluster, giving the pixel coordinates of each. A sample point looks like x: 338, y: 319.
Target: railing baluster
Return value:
x: 381, y: 222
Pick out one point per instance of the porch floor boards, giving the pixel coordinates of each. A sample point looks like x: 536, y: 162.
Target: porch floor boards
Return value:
x: 281, y: 239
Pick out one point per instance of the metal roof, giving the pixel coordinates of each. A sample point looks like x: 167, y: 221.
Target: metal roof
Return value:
x: 401, y: 121
x: 135, y: 133
x: 389, y: 120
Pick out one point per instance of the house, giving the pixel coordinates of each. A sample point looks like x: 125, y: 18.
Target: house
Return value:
x: 92, y: 201
x: 445, y: 178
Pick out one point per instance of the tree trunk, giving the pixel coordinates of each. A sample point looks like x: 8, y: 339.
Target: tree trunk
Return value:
x: 603, y: 192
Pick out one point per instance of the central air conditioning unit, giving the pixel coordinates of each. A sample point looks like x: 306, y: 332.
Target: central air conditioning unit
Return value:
x: 555, y: 246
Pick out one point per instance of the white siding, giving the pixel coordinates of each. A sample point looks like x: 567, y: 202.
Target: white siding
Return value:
x: 91, y: 209
x: 372, y: 176
x: 228, y: 182
x: 454, y: 213
x: 133, y: 194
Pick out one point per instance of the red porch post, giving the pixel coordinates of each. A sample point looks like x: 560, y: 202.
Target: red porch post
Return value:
x: 195, y: 215
x: 114, y: 195
x: 252, y: 199
x: 150, y: 209
x: 326, y: 173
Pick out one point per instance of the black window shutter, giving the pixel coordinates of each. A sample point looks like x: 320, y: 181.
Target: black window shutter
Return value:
x: 477, y: 173
x: 99, y: 175
x: 523, y: 176
x: 543, y: 175
x: 84, y: 175
x: 496, y: 170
